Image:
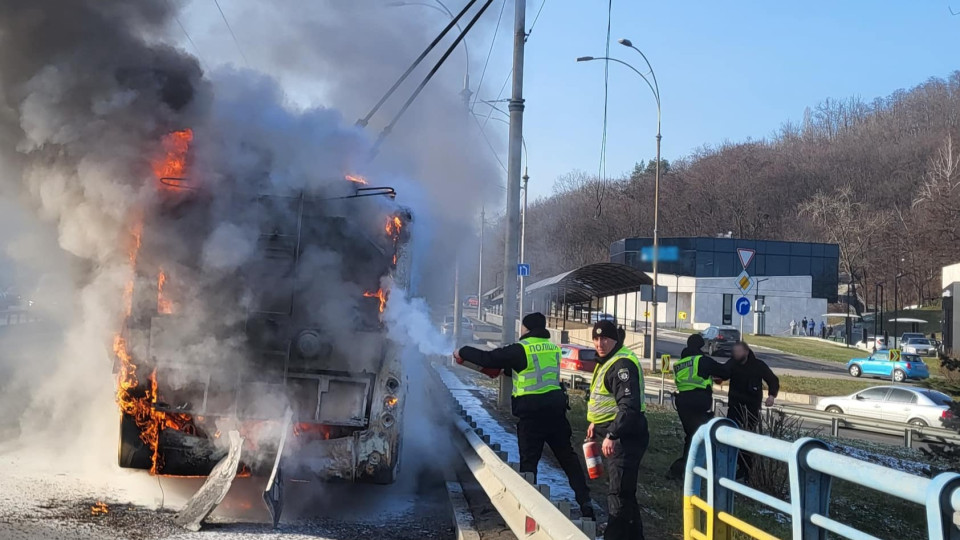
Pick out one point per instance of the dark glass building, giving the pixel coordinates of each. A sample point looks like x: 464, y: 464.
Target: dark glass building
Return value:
x: 717, y: 257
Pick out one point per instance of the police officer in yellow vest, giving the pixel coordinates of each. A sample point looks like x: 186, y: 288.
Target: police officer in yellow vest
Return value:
x: 539, y: 401
x: 693, y: 375
x: 615, y: 410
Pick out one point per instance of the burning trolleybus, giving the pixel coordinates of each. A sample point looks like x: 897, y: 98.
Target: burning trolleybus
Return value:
x: 262, y: 314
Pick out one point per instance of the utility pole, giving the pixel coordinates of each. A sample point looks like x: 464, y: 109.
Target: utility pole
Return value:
x: 457, y: 302
x: 512, y: 242
x: 457, y: 308
x: 523, y: 235
x: 480, y: 269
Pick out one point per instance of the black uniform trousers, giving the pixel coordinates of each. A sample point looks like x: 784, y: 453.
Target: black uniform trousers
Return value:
x: 623, y: 468
x: 554, y: 430
x: 747, y: 416
x: 694, y: 408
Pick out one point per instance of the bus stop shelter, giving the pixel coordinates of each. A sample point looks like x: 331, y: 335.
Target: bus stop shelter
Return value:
x: 575, y: 295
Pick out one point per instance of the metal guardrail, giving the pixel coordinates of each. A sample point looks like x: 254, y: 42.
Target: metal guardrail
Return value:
x: 710, y: 487
x: 526, y: 508
x: 911, y: 434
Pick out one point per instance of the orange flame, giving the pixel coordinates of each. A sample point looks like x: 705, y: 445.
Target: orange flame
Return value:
x: 393, y: 226
x: 135, y: 399
x: 173, y: 165
x: 164, y: 305
x: 381, y: 295
x: 99, y: 509
x: 356, y: 179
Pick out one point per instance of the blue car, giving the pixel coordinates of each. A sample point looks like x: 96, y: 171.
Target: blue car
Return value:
x: 878, y: 364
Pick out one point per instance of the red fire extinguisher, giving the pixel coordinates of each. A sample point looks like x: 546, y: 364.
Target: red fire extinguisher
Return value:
x: 493, y: 373
x: 591, y: 453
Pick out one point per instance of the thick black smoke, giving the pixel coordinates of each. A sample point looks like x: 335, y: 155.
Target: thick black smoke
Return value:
x: 90, y: 89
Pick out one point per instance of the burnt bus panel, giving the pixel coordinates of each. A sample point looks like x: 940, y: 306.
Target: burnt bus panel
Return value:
x: 262, y: 400
x: 343, y: 401
x: 304, y: 397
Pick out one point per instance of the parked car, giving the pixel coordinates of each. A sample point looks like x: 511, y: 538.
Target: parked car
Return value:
x: 466, y: 328
x: 917, y: 406
x: 720, y: 339
x: 596, y: 317
x: 577, y: 363
x: 878, y: 364
x: 578, y: 358
x: 920, y: 346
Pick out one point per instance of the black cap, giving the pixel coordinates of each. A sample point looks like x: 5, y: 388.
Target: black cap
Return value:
x: 535, y: 321
x: 605, y: 329
x: 695, y: 341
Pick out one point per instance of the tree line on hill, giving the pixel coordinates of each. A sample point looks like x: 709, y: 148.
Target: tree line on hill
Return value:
x: 879, y: 178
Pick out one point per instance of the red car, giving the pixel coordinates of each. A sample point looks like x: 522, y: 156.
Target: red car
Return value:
x: 578, y: 358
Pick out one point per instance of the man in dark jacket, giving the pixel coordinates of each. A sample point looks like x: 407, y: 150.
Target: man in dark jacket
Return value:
x: 615, y: 410
x: 693, y: 375
x: 539, y: 401
x: 747, y: 375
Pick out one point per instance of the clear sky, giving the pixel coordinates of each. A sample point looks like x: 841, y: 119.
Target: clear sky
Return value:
x: 728, y: 71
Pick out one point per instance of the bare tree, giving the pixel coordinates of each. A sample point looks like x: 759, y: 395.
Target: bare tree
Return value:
x: 850, y: 224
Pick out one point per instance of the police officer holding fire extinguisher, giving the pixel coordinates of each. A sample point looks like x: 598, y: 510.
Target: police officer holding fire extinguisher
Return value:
x: 538, y: 400
x: 615, y: 410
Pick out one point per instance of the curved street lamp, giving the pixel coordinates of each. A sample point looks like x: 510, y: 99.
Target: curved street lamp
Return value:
x: 655, y: 88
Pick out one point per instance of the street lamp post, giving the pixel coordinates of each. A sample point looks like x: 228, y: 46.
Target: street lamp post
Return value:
x: 655, y: 88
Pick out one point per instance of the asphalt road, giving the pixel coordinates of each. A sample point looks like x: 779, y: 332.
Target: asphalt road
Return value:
x: 781, y: 363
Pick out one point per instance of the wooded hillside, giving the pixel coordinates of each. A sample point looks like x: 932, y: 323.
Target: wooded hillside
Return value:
x: 880, y: 178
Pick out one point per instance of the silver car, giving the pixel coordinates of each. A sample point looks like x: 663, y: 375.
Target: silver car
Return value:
x: 916, y: 406
x: 919, y: 346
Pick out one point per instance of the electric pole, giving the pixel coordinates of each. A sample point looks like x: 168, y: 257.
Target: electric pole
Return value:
x: 511, y: 256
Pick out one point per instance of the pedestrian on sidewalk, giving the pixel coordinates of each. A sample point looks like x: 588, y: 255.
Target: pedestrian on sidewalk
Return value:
x: 823, y: 330
x: 694, y: 398
x: 803, y: 326
x: 747, y: 377
x: 539, y: 401
x: 616, y: 412
x: 810, y: 327
x: 793, y: 327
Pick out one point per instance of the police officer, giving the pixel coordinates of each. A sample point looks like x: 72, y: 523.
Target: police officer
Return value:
x: 693, y: 375
x: 539, y: 401
x: 615, y: 410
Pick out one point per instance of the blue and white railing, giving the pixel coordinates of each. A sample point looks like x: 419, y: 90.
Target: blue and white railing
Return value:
x: 710, y: 487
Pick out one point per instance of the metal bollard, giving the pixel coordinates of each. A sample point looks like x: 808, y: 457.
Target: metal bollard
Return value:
x: 835, y: 427
x: 908, y: 437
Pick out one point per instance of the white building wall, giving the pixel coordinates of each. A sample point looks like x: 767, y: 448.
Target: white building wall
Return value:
x: 951, y: 274
x: 787, y: 298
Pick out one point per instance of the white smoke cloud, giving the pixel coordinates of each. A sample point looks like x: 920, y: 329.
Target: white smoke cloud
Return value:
x: 408, y: 321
